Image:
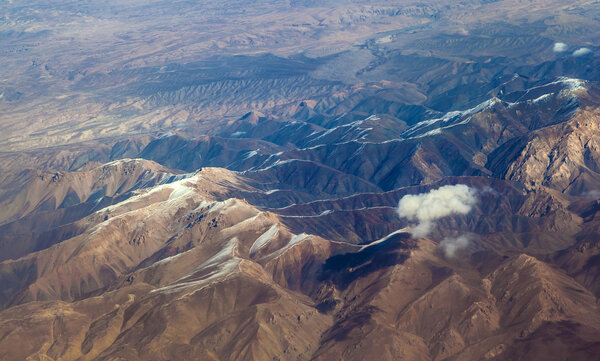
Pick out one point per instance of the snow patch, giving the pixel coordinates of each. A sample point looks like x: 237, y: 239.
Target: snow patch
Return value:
x: 297, y: 239
x: 403, y: 230
x: 324, y: 213
x: 541, y: 98
x: 431, y: 132
x: 180, y: 189
x: 220, y: 258
x: 450, y: 117
x: 250, y: 154
x: 278, y: 163
x: 165, y: 135
x: 169, y: 259
x: 118, y: 161
x: 264, y: 239
x: 571, y: 83
x: 222, y: 207
x: 224, y: 270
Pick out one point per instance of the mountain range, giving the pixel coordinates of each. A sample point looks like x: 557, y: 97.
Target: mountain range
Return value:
x: 293, y: 180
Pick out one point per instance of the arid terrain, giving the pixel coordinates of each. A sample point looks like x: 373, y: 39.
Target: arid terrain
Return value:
x: 299, y: 180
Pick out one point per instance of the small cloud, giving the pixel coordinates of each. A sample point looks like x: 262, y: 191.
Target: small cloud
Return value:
x: 593, y: 194
x: 488, y: 190
x: 452, y: 245
x: 560, y: 47
x: 422, y: 229
x: 427, y: 207
x: 582, y: 52
x: 384, y: 40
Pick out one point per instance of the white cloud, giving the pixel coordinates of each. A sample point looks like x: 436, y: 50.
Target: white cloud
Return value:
x: 593, y: 194
x: 582, y: 51
x: 452, y: 245
x: 427, y: 207
x: 560, y: 47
